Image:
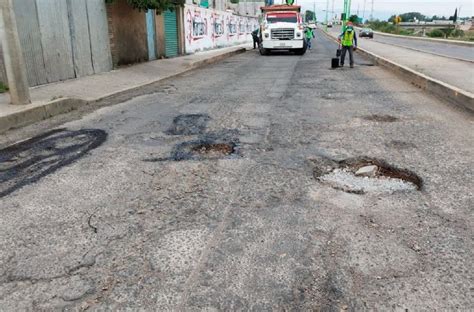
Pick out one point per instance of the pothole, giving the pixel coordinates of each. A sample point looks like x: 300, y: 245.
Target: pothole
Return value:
x: 199, y: 150
x: 380, y: 118
x: 220, y: 145
x: 365, y: 175
x: 189, y: 124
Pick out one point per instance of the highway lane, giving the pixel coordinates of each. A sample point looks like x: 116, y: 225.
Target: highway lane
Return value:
x: 440, y: 48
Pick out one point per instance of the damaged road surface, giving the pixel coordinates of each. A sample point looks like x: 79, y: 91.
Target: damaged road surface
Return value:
x: 259, y: 183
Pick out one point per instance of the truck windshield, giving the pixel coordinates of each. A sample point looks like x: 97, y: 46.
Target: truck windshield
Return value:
x: 281, y: 18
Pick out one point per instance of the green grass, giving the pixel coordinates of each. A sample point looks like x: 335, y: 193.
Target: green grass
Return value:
x: 3, y: 87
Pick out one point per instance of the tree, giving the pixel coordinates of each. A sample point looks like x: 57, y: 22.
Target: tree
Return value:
x: 408, y: 17
x: 454, y: 17
x: 354, y: 19
x: 158, y: 5
x: 309, y: 16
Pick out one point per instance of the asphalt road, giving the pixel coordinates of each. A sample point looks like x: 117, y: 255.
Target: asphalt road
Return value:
x: 445, y: 49
x: 213, y: 193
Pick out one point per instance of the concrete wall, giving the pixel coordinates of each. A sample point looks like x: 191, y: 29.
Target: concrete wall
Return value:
x: 206, y: 29
x: 244, y: 7
x: 128, y: 35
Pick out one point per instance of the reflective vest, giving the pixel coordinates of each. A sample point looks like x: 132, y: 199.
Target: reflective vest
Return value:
x: 309, y: 33
x: 348, y: 38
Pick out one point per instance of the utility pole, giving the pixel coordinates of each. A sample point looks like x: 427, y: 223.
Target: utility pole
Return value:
x: 372, y: 12
x: 327, y: 9
x: 363, y: 12
x: 332, y: 11
x: 13, y: 57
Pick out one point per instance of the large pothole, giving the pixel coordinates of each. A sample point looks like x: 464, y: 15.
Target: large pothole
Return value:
x: 204, y: 149
x: 365, y: 175
x: 220, y: 145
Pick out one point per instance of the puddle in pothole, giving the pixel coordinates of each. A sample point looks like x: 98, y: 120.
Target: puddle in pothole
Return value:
x: 188, y: 124
x: 380, y: 118
x: 365, y: 175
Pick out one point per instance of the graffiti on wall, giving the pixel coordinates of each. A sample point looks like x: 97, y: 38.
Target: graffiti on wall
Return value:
x: 208, y: 29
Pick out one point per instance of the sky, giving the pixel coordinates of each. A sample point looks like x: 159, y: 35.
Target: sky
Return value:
x: 383, y: 9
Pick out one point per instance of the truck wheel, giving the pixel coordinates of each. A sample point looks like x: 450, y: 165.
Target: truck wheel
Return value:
x: 264, y: 51
x: 301, y: 51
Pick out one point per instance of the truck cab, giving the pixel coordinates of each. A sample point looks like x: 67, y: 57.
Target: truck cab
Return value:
x: 282, y: 29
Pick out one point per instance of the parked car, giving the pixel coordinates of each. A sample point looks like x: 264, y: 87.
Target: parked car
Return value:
x: 366, y: 32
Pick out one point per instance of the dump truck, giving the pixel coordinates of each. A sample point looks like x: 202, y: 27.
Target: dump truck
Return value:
x: 281, y: 28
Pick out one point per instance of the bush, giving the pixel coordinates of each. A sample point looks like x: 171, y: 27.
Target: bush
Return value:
x: 457, y: 33
x: 436, y: 33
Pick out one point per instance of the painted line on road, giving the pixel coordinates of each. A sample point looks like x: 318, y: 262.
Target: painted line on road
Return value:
x: 452, y: 94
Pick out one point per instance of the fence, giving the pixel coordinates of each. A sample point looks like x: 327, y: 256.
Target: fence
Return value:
x: 63, y: 39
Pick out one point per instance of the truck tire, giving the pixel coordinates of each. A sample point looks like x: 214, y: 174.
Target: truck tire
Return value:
x: 264, y: 51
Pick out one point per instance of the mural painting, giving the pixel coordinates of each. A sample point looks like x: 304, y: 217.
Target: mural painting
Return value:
x: 207, y: 29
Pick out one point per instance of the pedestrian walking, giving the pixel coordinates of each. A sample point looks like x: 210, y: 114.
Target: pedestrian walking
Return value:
x: 309, y: 35
x: 348, y: 40
x: 256, y: 37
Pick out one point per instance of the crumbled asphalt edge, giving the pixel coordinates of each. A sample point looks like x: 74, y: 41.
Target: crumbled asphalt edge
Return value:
x: 29, y: 161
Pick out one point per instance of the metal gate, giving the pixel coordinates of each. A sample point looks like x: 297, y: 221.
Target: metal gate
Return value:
x: 171, y: 34
x: 63, y: 39
x: 150, y: 31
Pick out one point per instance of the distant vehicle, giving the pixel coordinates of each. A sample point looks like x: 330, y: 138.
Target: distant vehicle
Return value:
x: 366, y: 32
x: 329, y: 24
x: 312, y: 25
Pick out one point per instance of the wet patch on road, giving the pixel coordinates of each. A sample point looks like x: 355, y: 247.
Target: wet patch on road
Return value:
x: 189, y: 124
x: 29, y: 161
x: 380, y: 118
x: 362, y: 175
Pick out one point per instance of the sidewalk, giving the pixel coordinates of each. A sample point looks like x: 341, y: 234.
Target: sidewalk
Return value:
x: 57, y: 98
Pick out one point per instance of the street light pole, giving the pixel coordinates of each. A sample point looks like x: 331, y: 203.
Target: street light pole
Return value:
x: 13, y: 57
x: 327, y: 9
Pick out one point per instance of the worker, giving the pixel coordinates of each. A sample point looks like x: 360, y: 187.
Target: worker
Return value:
x: 256, y: 37
x: 308, y: 34
x: 348, y: 40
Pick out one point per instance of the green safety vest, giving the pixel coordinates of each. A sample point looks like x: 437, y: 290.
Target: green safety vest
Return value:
x: 290, y: 2
x: 348, y: 38
x: 309, y: 33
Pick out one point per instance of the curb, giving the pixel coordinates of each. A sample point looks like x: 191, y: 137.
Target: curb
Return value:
x: 457, y: 96
x: 37, y: 112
